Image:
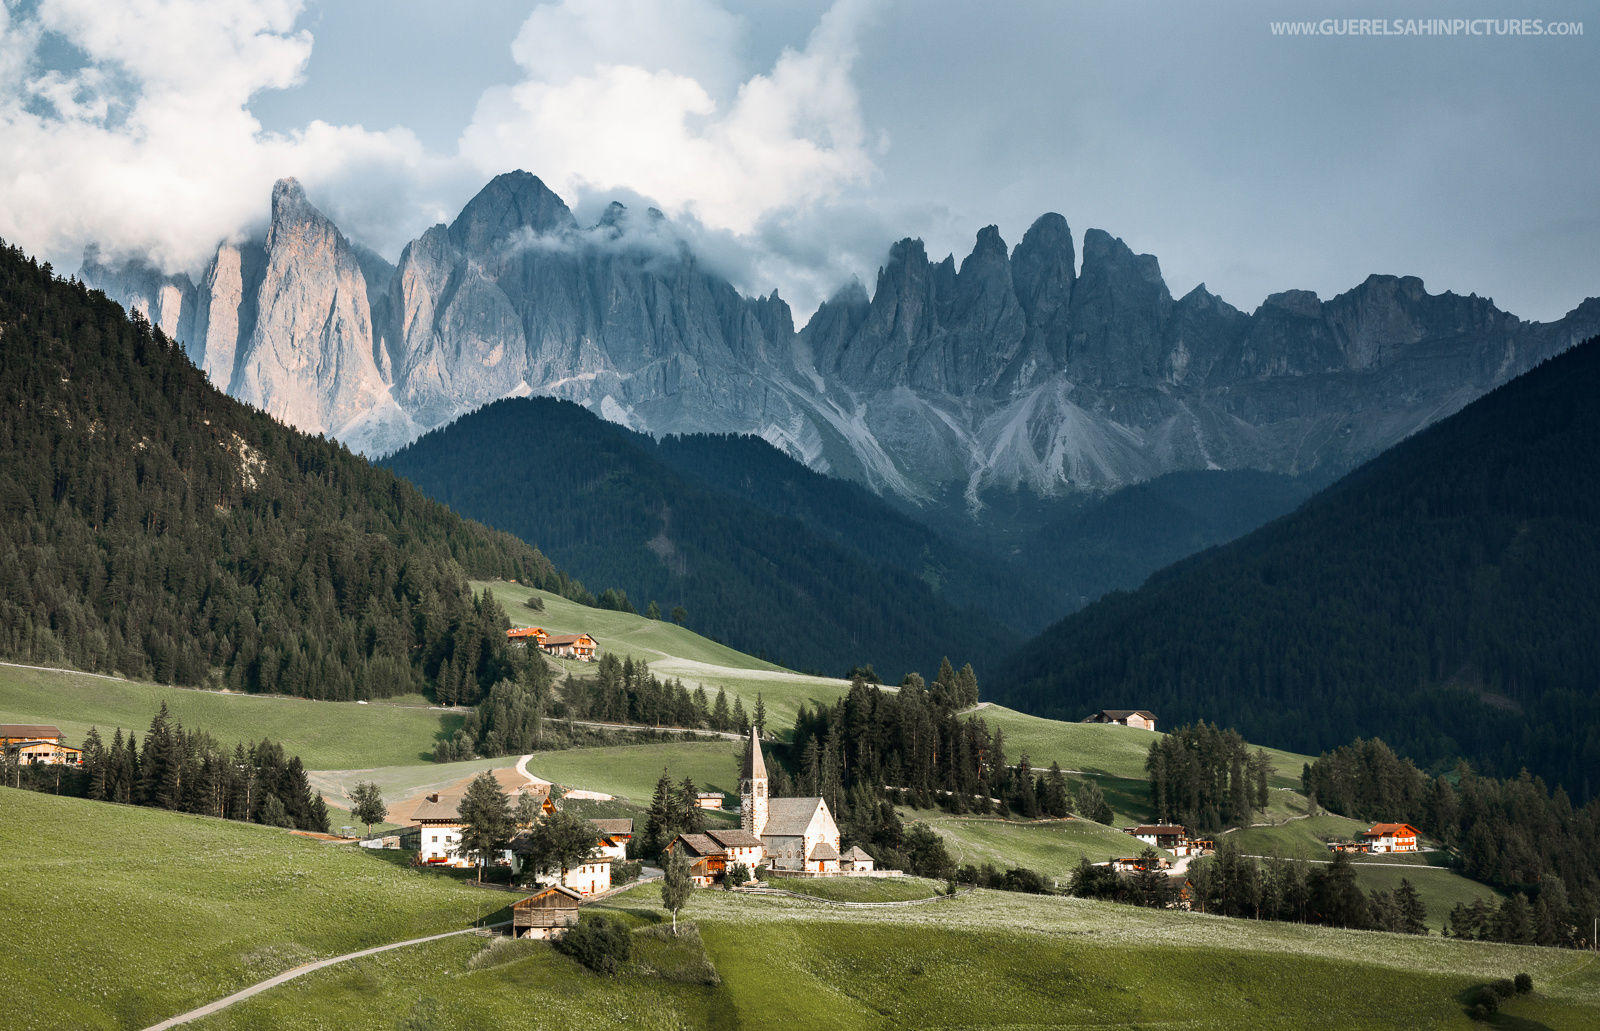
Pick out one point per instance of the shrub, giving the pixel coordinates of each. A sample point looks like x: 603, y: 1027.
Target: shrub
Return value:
x: 626, y: 872
x: 1524, y: 983
x: 1504, y: 988
x: 737, y: 875
x: 598, y: 942
x: 535, y: 603
x: 1484, y: 999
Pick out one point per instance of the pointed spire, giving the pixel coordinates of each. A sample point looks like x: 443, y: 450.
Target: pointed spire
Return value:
x: 754, y: 766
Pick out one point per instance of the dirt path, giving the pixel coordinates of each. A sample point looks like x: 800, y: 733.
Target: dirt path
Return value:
x: 289, y: 975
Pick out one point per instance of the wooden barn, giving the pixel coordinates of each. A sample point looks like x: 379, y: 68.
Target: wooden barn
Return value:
x: 545, y: 914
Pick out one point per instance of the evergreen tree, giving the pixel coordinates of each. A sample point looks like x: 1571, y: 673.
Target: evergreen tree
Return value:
x: 486, y: 819
x: 760, y: 720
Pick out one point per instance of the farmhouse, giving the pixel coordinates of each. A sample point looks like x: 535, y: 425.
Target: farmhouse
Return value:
x: 1138, y: 864
x: 1167, y: 836
x: 570, y: 646
x: 519, y: 636
x: 1391, y: 837
x: 436, y: 838
x: 545, y: 914
x: 708, y: 800
x: 1127, y: 717
x: 44, y: 753
x: 614, y: 837
x: 707, y: 859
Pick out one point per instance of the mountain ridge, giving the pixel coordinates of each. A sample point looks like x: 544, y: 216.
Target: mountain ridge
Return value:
x: 1019, y: 368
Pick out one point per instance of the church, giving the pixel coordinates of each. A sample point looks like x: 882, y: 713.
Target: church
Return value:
x: 797, y: 835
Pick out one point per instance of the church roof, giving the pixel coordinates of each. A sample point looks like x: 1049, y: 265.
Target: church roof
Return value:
x: 754, y: 765
x: 789, y: 817
x: 823, y: 850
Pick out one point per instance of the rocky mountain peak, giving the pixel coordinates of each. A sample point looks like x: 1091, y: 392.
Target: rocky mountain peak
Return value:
x: 512, y: 202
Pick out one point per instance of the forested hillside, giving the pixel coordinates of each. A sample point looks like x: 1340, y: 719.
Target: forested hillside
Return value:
x: 604, y: 504
x: 152, y: 526
x: 1443, y: 596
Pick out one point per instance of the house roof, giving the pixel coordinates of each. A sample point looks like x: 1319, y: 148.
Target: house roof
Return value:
x: 754, y: 765
x: 1380, y: 830
x: 54, y: 746
x: 856, y: 854
x: 31, y: 731
x: 734, y: 838
x: 1158, y: 829
x: 524, y: 631
x: 559, y: 889
x: 1122, y: 714
x: 823, y: 850
x: 789, y: 817
x: 699, y: 844
x: 615, y: 827
x: 438, y: 807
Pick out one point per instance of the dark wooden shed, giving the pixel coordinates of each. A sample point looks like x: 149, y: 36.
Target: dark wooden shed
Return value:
x: 545, y: 914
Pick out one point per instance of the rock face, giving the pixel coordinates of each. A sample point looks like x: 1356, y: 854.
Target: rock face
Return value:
x: 1016, y: 369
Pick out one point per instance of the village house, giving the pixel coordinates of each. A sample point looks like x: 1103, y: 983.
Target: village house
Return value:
x: 570, y: 646
x: 436, y: 834
x: 37, y: 744
x: 1126, y: 717
x: 519, y: 636
x: 44, y: 753
x: 708, y: 861
x: 545, y: 914
x: 1391, y: 837
x: 615, y: 835
x: 1167, y: 836
x: 708, y: 800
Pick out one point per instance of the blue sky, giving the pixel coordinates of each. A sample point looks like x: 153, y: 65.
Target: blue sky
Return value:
x: 796, y: 141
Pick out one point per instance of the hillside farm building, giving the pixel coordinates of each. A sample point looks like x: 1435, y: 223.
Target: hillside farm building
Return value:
x: 545, y: 914
x: 1391, y: 837
x: 519, y: 636
x: 37, y: 744
x: 1164, y: 835
x: 1127, y: 717
x: 570, y: 646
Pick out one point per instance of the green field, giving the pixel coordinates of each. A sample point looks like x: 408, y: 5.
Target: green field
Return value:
x: 985, y: 960
x: 117, y: 916
x: 326, y: 735
x: 672, y: 651
x: 631, y: 771
x: 1098, y: 748
x: 860, y: 889
x: 1049, y: 847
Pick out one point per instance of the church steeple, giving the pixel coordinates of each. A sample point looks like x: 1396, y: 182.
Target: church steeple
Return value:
x: 753, y: 788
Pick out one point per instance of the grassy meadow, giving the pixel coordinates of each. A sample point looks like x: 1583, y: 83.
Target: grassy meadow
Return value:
x: 1050, y: 847
x: 119, y: 917
x: 985, y: 960
x: 326, y: 735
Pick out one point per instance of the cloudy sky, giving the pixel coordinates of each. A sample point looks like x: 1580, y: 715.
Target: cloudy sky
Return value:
x: 795, y: 140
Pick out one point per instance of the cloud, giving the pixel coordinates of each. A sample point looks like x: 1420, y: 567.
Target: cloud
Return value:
x: 147, y: 147
x: 642, y: 111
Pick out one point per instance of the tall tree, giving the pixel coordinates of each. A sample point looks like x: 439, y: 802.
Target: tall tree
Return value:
x: 486, y: 820
x: 366, y: 804
x: 676, y: 885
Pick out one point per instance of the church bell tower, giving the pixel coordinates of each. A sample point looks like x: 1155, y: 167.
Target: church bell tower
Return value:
x: 753, y: 789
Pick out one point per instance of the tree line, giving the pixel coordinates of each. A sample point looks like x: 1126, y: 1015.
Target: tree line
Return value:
x: 186, y: 771
x: 1206, y: 778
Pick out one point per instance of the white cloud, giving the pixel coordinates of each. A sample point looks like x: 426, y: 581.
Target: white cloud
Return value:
x: 149, y: 148
x: 641, y: 112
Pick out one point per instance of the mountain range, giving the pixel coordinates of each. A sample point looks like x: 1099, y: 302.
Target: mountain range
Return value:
x: 1020, y: 369
x: 1442, y: 597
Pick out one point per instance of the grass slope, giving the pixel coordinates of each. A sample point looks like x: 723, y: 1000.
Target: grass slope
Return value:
x: 326, y: 735
x: 986, y: 960
x: 672, y: 651
x: 121, y: 917
x: 1051, y: 847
